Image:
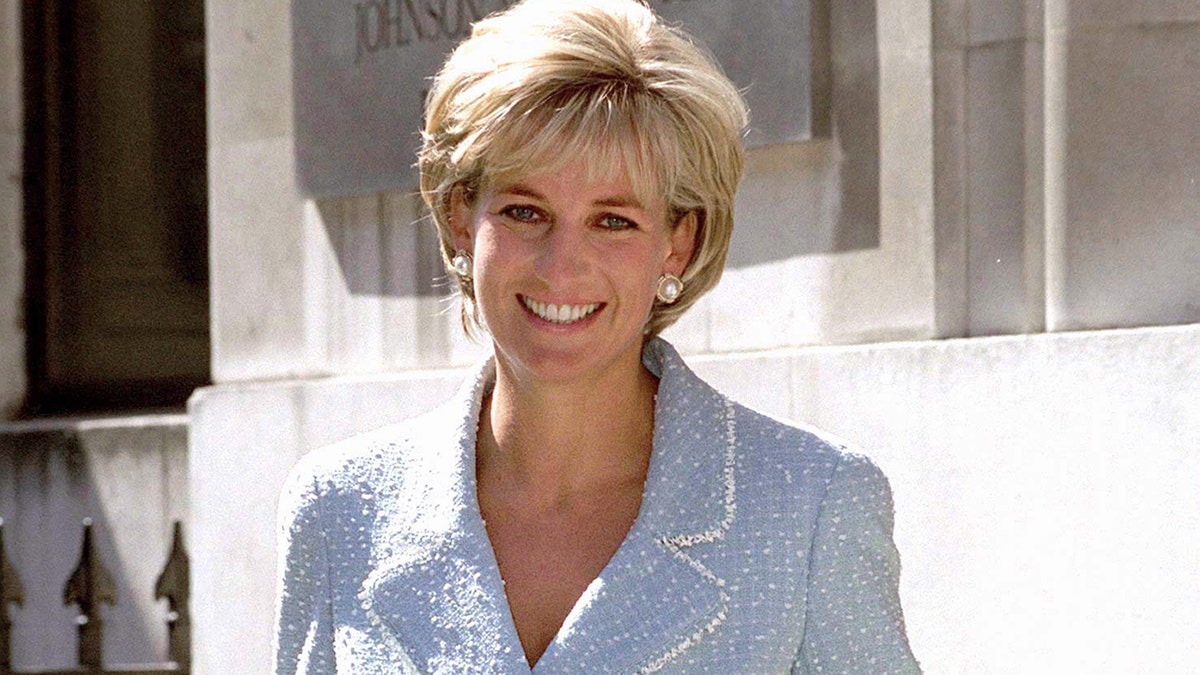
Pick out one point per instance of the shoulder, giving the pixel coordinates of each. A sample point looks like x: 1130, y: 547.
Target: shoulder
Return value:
x: 788, y: 451
x: 801, y: 442
x: 354, y: 458
x: 409, y: 444
x: 770, y: 451
x: 369, y: 461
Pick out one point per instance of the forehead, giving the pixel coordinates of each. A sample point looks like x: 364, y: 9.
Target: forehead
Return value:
x: 606, y: 156
x: 578, y: 181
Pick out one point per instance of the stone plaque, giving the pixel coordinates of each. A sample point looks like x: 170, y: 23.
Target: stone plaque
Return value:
x: 362, y: 68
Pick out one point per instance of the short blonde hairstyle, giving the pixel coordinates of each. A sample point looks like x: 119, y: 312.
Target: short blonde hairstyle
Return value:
x: 546, y: 81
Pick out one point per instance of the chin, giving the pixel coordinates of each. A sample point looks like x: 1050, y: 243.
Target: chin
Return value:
x: 563, y: 363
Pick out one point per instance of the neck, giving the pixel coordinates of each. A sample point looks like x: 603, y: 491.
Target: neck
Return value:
x: 553, y: 441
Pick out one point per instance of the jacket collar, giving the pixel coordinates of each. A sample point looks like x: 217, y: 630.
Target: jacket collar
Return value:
x: 439, y: 595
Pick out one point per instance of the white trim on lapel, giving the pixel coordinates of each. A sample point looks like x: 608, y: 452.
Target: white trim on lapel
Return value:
x: 678, y: 543
x: 655, y: 599
x: 437, y: 596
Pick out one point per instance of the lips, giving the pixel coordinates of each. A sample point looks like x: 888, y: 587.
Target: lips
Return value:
x: 559, y: 314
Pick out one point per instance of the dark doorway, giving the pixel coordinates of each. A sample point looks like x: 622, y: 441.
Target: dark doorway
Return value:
x: 116, y: 203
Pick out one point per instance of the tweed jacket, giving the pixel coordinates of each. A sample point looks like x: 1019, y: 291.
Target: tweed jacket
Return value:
x: 760, y: 547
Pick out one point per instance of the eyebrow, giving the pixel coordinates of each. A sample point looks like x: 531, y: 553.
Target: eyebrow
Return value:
x: 617, y: 201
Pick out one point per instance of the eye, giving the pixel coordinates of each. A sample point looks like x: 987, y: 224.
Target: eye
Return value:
x: 611, y: 222
x: 521, y: 213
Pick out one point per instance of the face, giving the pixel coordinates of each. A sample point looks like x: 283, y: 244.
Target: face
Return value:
x: 566, y: 268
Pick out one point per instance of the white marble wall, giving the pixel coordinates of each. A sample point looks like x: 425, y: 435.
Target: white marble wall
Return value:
x: 12, y: 256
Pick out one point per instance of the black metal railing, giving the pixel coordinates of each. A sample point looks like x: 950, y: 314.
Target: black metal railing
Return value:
x: 90, y: 586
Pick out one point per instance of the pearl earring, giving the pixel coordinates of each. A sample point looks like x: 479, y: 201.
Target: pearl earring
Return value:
x: 669, y: 288
x: 462, y: 263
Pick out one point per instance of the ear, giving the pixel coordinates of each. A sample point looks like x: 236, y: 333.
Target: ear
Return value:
x: 683, y: 244
x: 459, y: 213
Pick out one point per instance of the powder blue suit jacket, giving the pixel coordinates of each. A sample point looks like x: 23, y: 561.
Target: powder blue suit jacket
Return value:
x: 759, y: 548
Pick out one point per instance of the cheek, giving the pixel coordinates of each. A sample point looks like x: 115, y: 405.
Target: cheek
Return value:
x: 496, y: 261
x: 491, y: 253
x: 654, y: 261
x: 641, y: 278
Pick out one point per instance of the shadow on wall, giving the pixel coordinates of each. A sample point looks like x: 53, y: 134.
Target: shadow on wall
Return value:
x: 385, y: 245
x: 821, y: 196
x: 800, y: 199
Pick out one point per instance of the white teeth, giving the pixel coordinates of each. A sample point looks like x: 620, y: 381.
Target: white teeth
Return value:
x: 559, y: 313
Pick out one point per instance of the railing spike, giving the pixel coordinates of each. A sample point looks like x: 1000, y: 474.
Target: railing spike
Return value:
x: 89, y: 586
x: 10, y: 593
x: 174, y: 585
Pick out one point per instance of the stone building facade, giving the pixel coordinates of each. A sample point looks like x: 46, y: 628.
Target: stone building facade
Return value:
x: 987, y: 277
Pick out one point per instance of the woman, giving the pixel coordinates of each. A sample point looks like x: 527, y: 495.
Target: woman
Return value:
x: 586, y: 504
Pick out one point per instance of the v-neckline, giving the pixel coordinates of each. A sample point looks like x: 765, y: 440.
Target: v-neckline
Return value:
x: 478, y: 528
x: 632, y: 540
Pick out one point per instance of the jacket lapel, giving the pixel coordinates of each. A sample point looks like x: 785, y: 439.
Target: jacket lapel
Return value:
x: 437, y: 596
x: 655, y: 599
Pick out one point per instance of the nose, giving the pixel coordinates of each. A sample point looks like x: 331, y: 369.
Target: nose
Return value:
x: 563, y: 254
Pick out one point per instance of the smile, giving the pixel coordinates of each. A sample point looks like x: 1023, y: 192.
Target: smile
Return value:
x: 560, y: 314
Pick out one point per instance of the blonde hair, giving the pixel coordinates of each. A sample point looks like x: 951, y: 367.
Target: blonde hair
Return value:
x: 549, y: 80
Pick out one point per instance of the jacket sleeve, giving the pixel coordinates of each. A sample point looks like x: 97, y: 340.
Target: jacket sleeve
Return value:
x: 854, y: 622
x: 303, y: 610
